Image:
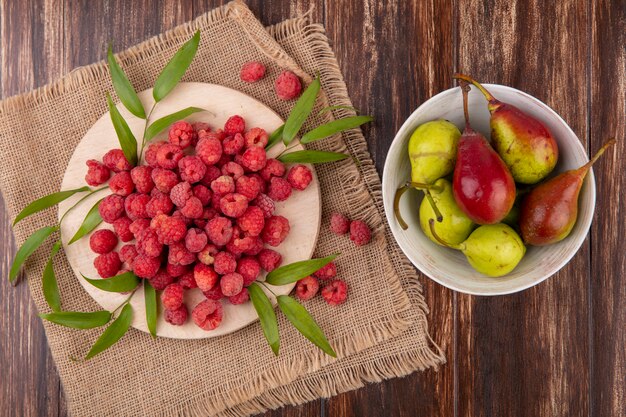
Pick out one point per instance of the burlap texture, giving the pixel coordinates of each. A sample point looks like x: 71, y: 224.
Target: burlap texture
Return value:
x: 235, y: 374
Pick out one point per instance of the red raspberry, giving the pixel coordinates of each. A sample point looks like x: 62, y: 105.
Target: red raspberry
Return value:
x: 287, y: 85
x: 248, y: 186
x: 224, y: 263
x: 176, y: 317
x: 275, y: 231
x: 234, y: 124
x: 192, y: 169
x: 98, y: 173
x: 207, y: 255
x: 122, y: 228
x: 205, y: 276
x: 240, y: 298
x: 237, y: 158
x: 198, y: 126
x: 139, y: 225
x: 181, y: 134
x: 168, y: 156
x: 223, y: 185
x: 214, y: 293
x: 142, y: 178
x: 249, y: 268
x: 111, y: 208
x: 328, y: 271
x: 215, y: 203
x: 307, y: 288
x: 187, y: 281
x: 208, y: 314
x: 136, y: 205
x: 170, y: 229
x: 224, y: 160
x: 360, y: 233
x: 256, y: 137
x: 335, y: 292
x: 148, y: 243
x: 160, y: 203
x: 116, y: 161
x: 128, y: 253
x: 108, y: 264
x: 164, y: 179
x: 195, y: 240
x: 240, y: 242
x: 232, y: 169
x: 179, y: 255
x: 219, y: 230
x: 273, y: 168
x: 254, y: 158
x: 257, y: 176
x: 193, y: 208
x: 177, y: 270
x: 161, y: 279
x: 252, y: 71
x: 279, y: 189
x: 180, y: 193
x: 186, y: 220
x: 147, y: 267
x: 233, y: 144
x: 102, y: 241
x: 203, y: 193
x: 207, y: 214
x: 233, y: 205
x: 339, y: 223
x: 299, y: 176
x: 151, y: 153
x: 217, y: 134
x: 231, y: 284
x: 266, y: 204
x: 252, y: 221
x: 255, y: 248
x: 269, y: 259
x: 209, y: 149
x: 172, y: 296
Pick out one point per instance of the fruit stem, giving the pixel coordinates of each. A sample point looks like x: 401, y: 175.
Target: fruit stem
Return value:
x: 426, y: 188
x: 433, y: 205
x: 465, y: 88
x: 396, y: 206
x: 598, y: 154
x: 478, y: 85
x: 431, y: 223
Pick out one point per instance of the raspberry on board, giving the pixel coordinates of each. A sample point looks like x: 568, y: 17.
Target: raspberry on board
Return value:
x: 148, y: 243
x: 171, y: 230
x: 269, y: 259
x: 151, y: 153
x: 168, y: 156
x: 116, y: 161
x: 128, y: 253
x: 219, y: 230
x: 111, y: 208
x: 339, y: 223
x: 252, y: 71
x: 249, y: 268
x: 160, y: 203
x: 203, y: 193
x: 164, y: 179
x: 256, y: 247
x: 287, y: 86
x: 214, y: 293
x: 102, y: 241
x: 181, y: 134
x: 231, y: 284
x: 335, y: 292
x: 191, y: 169
x: 252, y: 221
x: 193, y: 208
x: 177, y: 270
x: 209, y: 149
x: 179, y: 255
x: 180, y: 193
x: 187, y: 281
x: 208, y: 314
x: 233, y: 144
x: 307, y: 288
x: 223, y: 185
x: 147, y: 267
x: 360, y: 233
x: 142, y: 178
x: 172, y: 296
x: 266, y: 204
x: 207, y: 254
x: 240, y: 242
x: 279, y: 189
x: 98, y: 173
x: 207, y: 214
x: 224, y: 263
x: 240, y: 298
x: 198, y: 126
x: 195, y: 240
x: 273, y: 168
x: 254, y: 159
x: 232, y: 169
x: 260, y: 180
x: 256, y: 137
x: 108, y: 264
x: 161, y: 279
x: 299, y: 176
x: 177, y: 213
x: 218, y: 134
x: 205, y: 276
x: 235, y: 124
x: 248, y: 186
x: 122, y: 229
x: 135, y: 206
x: 138, y: 226
x: 275, y: 231
x: 233, y: 205
x: 176, y: 317
x: 328, y: 271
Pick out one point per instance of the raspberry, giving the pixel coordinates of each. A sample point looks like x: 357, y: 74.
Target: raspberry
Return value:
x: 186, y: 220
x: 209, y: 149
x: 223, y: 185
x: 339, y: 223
x: 181, y: 134
x: 335, y: 292
x: 102, y: 241
x: 254, y: 159
x: 240, y: 298
x: 215, y: 203
x: 299, y: 177
x: 259, y: 179
x: 328, y: 271
x: 128, y: 253
x: 248, y: 186
x: 307, y: 288
x: 116, y: 161
x: 98, y: 173
x: 135, y: 206
x: 360, y: 233
x: 273, y: 168
x: 275, y: 231
x: 179, y: 255
x: 214, y: 293
x: 232, y: 169
x: 240, y: 242
x: 147, y: 267
x: 180, y: 193
x: 198, y: 126
x: 203, y: 193
x: 269, y: 259
x: 164, y: 180
x: 170, y: 229
x: 168, y: 156
x: 193, y: 208
x: 224, y: 263
x: 234, y: 124
x: 161, y: 279
x: 172, y: 296
x: 252, y: 71
x: 108, y: 264
x: 151, y: 153
x: 208, y: 314
x: 249, y: 268
x: 122, y: 229
x: 138, y: 226
x: 207, y: 255
x: 233, y: 144
x: 111, y: 208
x: 187, y: 281
x: 195, y: 240
x: 256, y: 137
x: 217, y: 134
x: 252, y: 221
x: 266, y: 204
x: 148, y: 243
x: 160, y: 203
x: 191, y: 168
x: 207, y: 214
x: 287, y: 85
x: 142, y: 178
x: 231, y: 284
x: 219, y: 230
x: 255, y: 248
x: 279, y: 189
x: 176, y: 317
x: 205, y: 276
x: 177, y: 270
x: 233, y: 205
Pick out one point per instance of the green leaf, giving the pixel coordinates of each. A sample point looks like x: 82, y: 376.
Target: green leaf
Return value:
x: 291, y: 273
x: 127, y: 140
x: 267, y: 316
x: 164, y: 122
x: 91, y: 221
x: 334, y: 127
x: 274, y: 137
x: 49, y: 282
x: 120, y: 283
x: 46, y: 202
x: 302, y: 320
x: 301, y: 111
x: 113, y: 333
x: 175, y: 69
x: 30, y: 245
x: 311, y: 157
x: 151, y: 306
x: 124, y: 88
x: 331, y: 108
x: 77, y: 319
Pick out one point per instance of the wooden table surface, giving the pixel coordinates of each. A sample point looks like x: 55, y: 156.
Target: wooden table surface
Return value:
x: 558, y: 349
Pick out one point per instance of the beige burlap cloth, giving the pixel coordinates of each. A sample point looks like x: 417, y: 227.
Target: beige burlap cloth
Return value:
x: 381, y: 332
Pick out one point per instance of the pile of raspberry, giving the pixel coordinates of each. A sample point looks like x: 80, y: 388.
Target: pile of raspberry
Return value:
x: 199, y: 214
x: 334, y: 291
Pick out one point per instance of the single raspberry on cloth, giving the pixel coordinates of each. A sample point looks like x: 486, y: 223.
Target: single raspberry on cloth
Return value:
x: 252, y: 71
x: 287, y: 86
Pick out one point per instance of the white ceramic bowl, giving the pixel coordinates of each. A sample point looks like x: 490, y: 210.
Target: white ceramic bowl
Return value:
x: 447, y: 266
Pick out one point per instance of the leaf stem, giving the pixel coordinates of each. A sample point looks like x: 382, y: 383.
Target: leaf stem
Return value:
x: 124, y: 303
x: 145, y: 129
x: 268, y: 288
x: 285, y: 150
x: 80, y: 201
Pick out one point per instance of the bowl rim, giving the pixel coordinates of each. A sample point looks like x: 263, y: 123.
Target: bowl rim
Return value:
x: 390, y: 217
